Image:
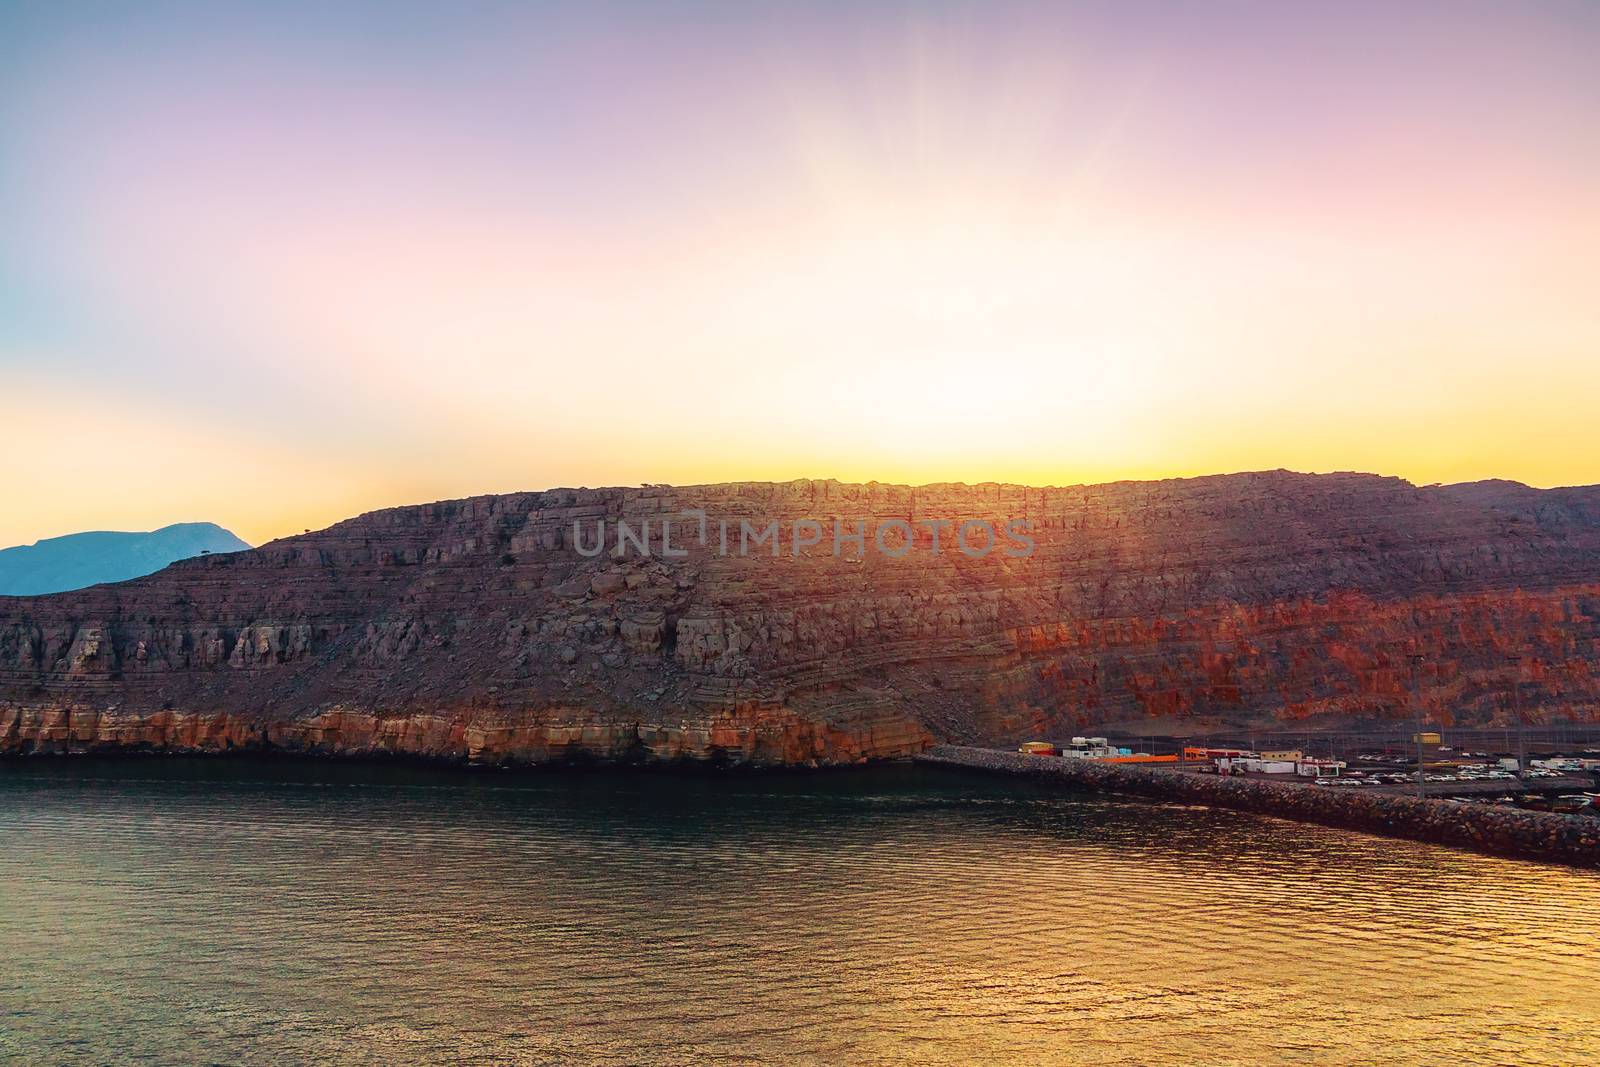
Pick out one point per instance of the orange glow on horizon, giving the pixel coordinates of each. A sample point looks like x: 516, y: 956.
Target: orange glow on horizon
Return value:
x: 1052, y: 249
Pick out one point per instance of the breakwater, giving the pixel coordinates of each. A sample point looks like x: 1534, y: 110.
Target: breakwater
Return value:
x: 1571, y: 839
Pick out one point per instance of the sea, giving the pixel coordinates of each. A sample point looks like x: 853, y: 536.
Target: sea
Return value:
x: 250, y: 911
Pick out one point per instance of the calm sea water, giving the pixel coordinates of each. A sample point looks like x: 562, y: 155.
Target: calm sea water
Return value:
x: 241, y: 912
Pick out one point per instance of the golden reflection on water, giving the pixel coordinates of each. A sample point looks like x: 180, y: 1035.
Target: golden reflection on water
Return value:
x: 887, y: 916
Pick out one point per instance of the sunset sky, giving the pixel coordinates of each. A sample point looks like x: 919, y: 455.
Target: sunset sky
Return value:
x: 272, y: 266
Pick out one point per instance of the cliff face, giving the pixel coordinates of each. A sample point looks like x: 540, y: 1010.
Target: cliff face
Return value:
x: 480, y: 628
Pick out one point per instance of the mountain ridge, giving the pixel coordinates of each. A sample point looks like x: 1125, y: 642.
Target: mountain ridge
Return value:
x: 78, y: 560
x: 475, y: 629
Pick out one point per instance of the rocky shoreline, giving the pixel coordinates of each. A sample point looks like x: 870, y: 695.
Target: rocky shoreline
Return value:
x: 1569, y: 839
x: 748, y: 736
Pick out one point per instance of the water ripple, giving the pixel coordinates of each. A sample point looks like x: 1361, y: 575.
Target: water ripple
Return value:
x: 263, y: 913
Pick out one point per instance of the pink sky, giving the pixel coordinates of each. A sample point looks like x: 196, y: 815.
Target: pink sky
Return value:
x: 272, y: 268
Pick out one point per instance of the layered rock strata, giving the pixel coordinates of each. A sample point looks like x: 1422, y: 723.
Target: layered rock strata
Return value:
x: 489, y: 629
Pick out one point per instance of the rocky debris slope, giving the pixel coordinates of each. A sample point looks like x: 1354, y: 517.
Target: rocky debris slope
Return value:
x: 484, y: 629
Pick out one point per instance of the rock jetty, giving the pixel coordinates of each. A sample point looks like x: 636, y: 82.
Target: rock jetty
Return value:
x: 1571, y: 839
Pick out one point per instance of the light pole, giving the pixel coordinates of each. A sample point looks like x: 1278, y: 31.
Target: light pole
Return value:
x: 1522, y: 726
x: 1416, y: 699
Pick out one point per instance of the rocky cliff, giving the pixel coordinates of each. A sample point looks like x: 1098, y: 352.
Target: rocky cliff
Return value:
x: 486, y: 629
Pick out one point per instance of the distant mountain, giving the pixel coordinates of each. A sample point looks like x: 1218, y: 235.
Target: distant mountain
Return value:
x: 58, y: 564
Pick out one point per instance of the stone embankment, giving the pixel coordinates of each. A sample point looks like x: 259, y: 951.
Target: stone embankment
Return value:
x: 1572, y: 839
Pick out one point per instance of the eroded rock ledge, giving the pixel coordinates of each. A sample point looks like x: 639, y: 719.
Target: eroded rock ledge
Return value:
x: 748, y: 737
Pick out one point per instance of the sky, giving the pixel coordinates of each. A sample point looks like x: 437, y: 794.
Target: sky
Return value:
x: 274, y: 265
